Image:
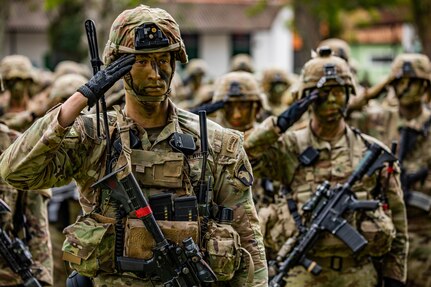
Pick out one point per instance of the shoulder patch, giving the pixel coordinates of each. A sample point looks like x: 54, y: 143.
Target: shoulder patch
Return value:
x: 231, y: 142
x: 245, y: 176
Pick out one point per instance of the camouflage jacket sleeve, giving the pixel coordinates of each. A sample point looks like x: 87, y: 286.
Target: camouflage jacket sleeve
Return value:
x: 47, y: 155
x: 395, y: 262
x: 232, y: 189
x: 265, y: 147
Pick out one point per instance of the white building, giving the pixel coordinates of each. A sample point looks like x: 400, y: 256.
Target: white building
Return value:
x: 213, y: 31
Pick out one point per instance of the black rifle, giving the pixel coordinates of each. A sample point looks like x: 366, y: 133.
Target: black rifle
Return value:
x: 16, y: 254
x: 204, y: 188
x: 90, y: 29
x: 408, y: 137
x: 172, y: 264
x: 327, y: 207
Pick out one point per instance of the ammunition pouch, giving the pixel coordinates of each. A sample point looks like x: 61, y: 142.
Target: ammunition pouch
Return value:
x: 223, y: 248
x: 89, y: 246
x: 139, y: 243
x: 377, y: 227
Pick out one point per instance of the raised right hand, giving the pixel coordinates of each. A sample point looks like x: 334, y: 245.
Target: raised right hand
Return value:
x: 103, y: 80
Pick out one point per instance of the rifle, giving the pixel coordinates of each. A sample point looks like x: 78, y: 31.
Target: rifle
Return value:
x: 174, y: 265
x: 90, y: 29
x: 16, y: 254
x: 327, y: 207
x: 413, y: 198
x: 204, y: 188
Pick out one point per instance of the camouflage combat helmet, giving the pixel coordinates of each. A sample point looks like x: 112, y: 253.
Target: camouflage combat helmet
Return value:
x: 411, y: 66
x: 196, y: 67
x: 16, y: 66
x: 65, y: 86
x: 242, y: 62
x: 144, y: 30
x: 71, y: 67
x: 273, y: 76
x: 325, y: 70
x: 237, y: 86
x: 339, y: 48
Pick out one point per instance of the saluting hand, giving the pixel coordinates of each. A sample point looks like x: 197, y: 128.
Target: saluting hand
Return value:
x: 103, y: 80
x: 295, y: 111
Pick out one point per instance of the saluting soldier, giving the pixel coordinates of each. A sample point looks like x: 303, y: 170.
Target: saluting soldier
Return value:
x: 143, y: 46
x: 328, y: 149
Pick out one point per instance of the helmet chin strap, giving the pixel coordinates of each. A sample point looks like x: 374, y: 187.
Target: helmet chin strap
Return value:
x: 142, y: 98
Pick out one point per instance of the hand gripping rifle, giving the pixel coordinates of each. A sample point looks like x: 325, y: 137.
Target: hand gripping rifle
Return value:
x: 16, y: 254
x: 327, y: 207
x: 174, y: 265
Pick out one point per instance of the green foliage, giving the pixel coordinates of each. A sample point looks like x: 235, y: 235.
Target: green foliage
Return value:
x: 65, y: 32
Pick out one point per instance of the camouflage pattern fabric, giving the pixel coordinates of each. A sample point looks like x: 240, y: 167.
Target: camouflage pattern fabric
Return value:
x: 276, y: 157
x: 388, y: 122
x: 37, y: 219
x: 50, y: 155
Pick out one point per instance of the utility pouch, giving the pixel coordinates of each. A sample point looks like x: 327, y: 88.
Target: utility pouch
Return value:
x: 89, y: 246
x: 186, y: 208
x: 139, y: 243
x: 158, y: 169
x: 223, y: 248
x: 161, y: 205
x: 377, y: 227
x: 309, y: 156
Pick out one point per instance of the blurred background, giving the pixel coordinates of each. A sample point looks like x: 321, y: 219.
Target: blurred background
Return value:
x: 276, y: 33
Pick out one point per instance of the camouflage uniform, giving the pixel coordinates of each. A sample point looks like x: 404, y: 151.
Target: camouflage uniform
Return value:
x: 386, y: 123
x: 35, y: 212
x: 50, y: 155
x: 277, y: 157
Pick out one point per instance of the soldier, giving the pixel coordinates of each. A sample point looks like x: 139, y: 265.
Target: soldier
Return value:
x: 242, y: 62
x: 409, y: 124
x: 243, y: 100
x: 336, y: 150
x: 275, y: 83
x: 193, y: 83
x: 143, y: 45
x: 29, y: 220
x: 18, y: 77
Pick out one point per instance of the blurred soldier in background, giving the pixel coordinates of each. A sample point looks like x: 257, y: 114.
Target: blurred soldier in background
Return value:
x: 275, y: 83
x: 28, y: 221
x: 18, y: 77
x: 243, y: 100
x: 328, y: 149
x: 242, y: 62
x: 193, y: 83
x: 409, y: 123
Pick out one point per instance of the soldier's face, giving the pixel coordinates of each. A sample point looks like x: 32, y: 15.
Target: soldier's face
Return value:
x: 328, y: 108
x: 240, y: 114
x: 17, y: 87
x: 151, y: 74
x: 409, y: 90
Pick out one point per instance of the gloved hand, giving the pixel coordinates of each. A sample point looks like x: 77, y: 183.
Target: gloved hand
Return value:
x: 103, y: 80
x: 295, y: 111
x: 389, y: 282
